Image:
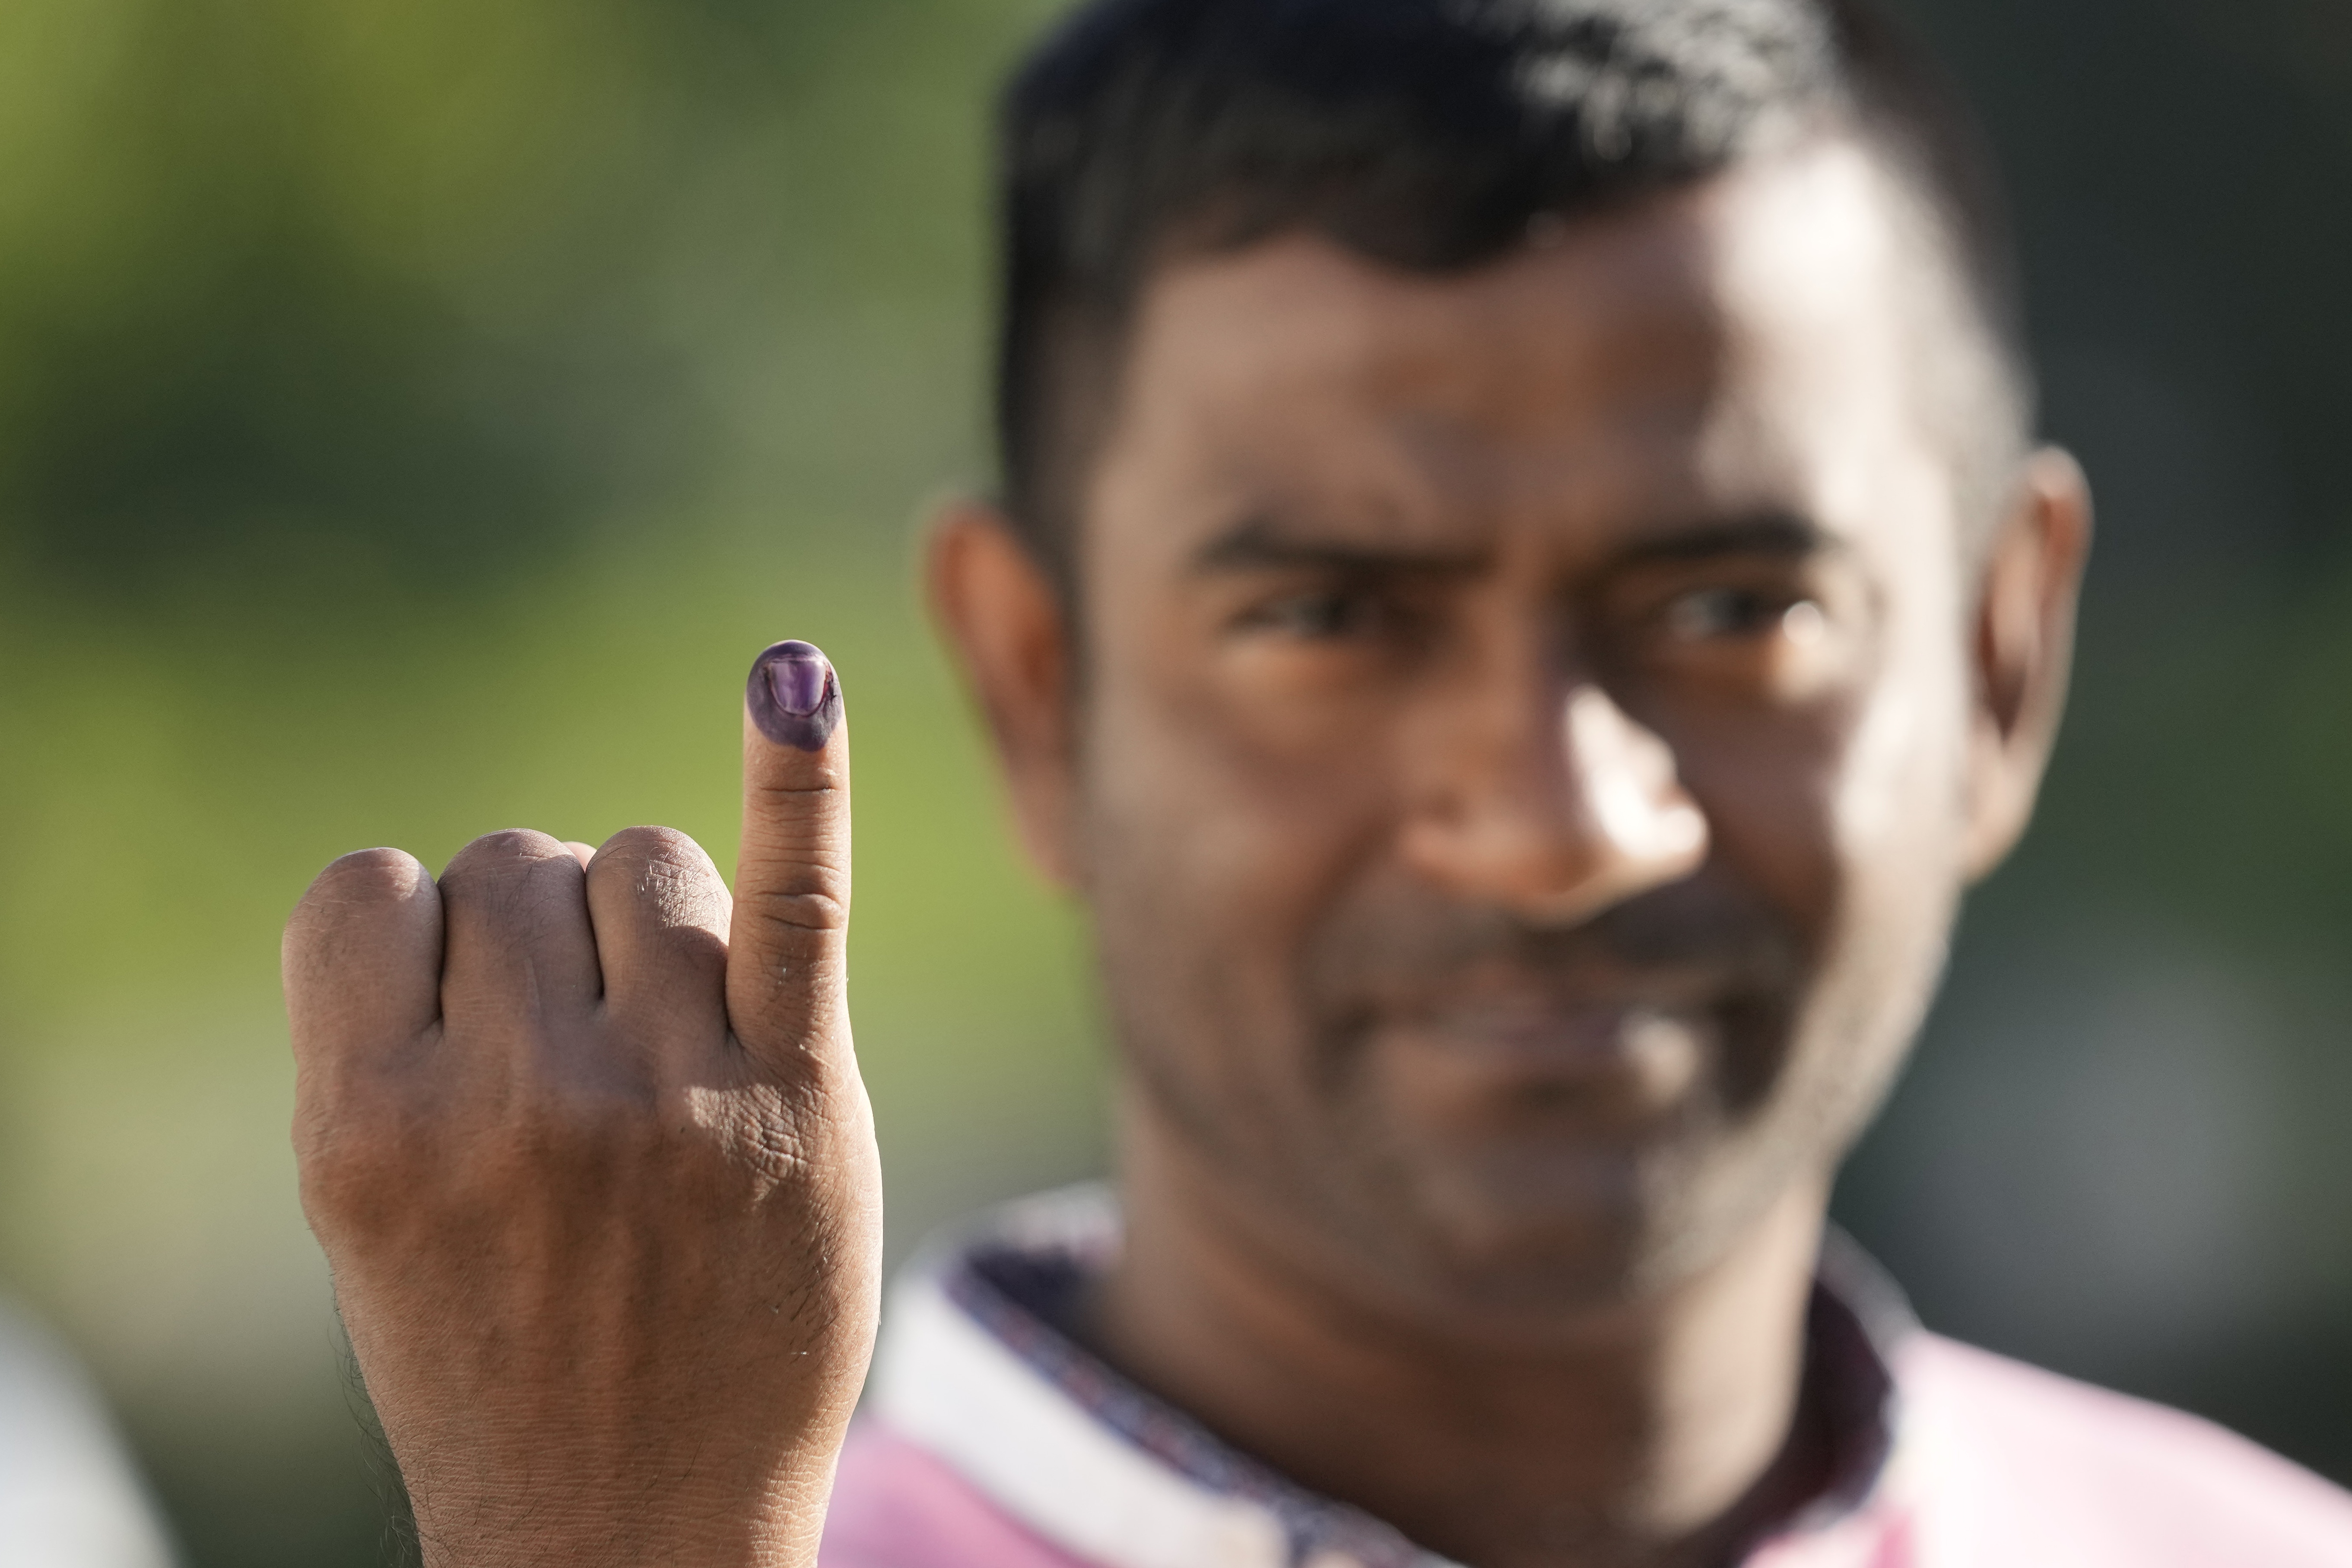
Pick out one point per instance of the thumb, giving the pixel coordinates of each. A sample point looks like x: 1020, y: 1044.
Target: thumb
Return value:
x: 787, y: 962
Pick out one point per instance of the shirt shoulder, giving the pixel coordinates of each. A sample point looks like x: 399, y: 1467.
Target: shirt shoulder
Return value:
x: 2030, y: 1468
x: 68, y: 1497
x: 896, y: 1504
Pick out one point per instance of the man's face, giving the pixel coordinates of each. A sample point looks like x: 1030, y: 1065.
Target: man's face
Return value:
x: 1522, y: 784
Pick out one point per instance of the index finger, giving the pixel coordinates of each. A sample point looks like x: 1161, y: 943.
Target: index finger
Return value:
x: 787, y: 975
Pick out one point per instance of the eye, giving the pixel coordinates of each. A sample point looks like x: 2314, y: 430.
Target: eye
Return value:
x: 1319, y: 614
x: 1711, y: 615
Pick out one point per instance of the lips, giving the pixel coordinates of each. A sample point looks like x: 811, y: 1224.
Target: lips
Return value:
x: 1463, y: 1016
x: 1538, y: 1035
x: 1538, y: 1061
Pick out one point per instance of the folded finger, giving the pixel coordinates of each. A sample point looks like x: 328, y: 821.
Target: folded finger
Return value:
x: 361, y: 958
x: 518, y: 947
x: 660, y: 913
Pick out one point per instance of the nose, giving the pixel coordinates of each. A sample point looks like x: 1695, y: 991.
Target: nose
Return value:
x: 1554, y: 809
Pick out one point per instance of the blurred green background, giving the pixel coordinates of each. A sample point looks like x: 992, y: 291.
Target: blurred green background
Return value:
x: 411, y: 416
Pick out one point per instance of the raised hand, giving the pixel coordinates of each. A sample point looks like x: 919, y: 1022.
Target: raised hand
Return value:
x: 587, y: 1149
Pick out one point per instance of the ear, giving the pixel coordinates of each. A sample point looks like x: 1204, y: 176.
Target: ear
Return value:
x: 1003, y: 625
x: 2024, y: 646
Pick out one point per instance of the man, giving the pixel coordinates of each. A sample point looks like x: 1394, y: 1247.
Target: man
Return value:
x: 1522, y: 596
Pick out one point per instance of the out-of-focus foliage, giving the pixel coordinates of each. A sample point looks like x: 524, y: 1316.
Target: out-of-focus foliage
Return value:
x: 439, y: 282
x: 413, y: 417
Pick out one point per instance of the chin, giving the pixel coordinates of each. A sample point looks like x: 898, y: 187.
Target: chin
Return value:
x: 1527, y: 1236
x: 1530, y: 1176
x: 1540, y: 1232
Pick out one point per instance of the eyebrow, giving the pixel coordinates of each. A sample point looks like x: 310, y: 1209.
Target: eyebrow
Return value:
x: 1263, y: 543
x: 1786, y: 535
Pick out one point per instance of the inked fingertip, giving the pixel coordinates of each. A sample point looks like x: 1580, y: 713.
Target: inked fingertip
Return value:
x: 793, y: 695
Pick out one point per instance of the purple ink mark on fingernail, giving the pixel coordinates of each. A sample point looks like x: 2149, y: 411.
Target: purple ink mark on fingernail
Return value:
x: 794, y: 698
x: 798, y: 684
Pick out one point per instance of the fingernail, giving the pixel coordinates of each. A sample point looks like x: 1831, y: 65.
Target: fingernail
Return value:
x: 794, y: 698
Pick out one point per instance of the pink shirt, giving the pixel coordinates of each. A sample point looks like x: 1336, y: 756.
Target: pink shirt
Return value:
x: 992, y: 1441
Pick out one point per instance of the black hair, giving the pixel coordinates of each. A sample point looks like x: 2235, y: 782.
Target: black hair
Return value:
x: 1431, y: 134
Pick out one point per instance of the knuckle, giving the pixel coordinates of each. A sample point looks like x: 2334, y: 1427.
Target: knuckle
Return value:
x: 820, y: 793
x: 507, y: 852
x: 610, y: 1100
x: 655, y: 862
x: 765, y: 1132
x: 655, y: 846
x: 388, y: 1157
x: 335, y: 1163
x: 363, y: 877
x: 344, y: 916
x: 359, y: 1167
x: 785, y: 818
x: 388, y: 1171
x: 662, y: 878
x: 817, y: 909
x: 646, y: 1138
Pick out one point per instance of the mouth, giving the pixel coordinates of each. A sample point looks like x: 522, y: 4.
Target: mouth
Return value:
x: 1661, y: 1011
x: 1620, y: 1061
x: 1543, y: 1037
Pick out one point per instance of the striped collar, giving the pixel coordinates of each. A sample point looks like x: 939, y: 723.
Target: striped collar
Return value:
x: 973, y: 1367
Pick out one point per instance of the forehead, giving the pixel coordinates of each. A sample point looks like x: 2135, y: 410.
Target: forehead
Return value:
x: 1739, y: 342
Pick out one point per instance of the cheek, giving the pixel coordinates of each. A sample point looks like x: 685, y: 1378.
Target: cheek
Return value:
x: 1769, y: 784
x: 1843, y: 815
x: 1856, y: 838
x: 1248, y: 823
x: 1210, y: 861
x: 1899, y: 797
x: 1214, y: 843
x: 1900, y: 824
